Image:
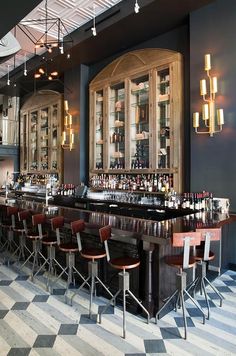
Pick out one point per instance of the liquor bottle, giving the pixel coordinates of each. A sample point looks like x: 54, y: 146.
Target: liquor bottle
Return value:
x: 187, y: 203
x: 155, y: 183
x: 183, y: 205
x: 191, y: 204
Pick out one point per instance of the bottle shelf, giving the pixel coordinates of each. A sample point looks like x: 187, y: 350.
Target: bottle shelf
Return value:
x: 140, y: 104
x: 139, y: 116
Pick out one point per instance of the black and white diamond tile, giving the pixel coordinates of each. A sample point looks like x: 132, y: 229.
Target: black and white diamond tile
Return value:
x: 33, y: 322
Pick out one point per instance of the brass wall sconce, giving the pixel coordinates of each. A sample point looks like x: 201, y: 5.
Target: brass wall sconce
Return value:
x: 213, y: 118
x: 68, y: 135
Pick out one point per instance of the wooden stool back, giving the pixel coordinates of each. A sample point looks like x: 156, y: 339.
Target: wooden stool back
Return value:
x: 186, y: 240
x: 208, y: 235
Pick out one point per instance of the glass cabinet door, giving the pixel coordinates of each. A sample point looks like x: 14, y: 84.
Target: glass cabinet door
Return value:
x: 33, y: 141
x: 54, y: 138
x: 24, y: 142
x: 99, y: 127
x: 139, y: 122
x: 163, y: 119
x: 44, y: 137
x: 116, y: 121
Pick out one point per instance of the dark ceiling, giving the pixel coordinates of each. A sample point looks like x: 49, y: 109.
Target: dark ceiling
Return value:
x: 117, y: 29
x: 13, y: 11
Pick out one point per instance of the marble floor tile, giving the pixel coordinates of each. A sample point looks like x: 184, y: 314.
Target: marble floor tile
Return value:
x: 33, y: 322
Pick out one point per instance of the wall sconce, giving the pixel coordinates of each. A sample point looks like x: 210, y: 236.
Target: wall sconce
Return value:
x: 68, y: 135
x: 213, y: 118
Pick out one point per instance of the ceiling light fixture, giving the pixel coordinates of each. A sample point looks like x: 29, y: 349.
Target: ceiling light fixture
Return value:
x: 44, y: 72
x: 25, y: 68
x: 8, y: 75
x: 54, y: 36
x: 93, y: 29
x: 136, y: 7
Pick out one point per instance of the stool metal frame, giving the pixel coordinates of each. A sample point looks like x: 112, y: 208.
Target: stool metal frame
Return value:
x: 51, y: 244
x: 207, y: 235
x: 93, y: 255
x: 70, y: 269
x: 10, y: 245
x: 22, y: 231
x: 36, y: 237
x: 124, y: 285
x: 185, y: 240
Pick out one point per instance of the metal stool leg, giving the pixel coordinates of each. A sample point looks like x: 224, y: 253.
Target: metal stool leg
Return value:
x: 124, y: 287
x: 196, y: 304
x: 180, y: 293
x: 206, y: 298
x: 166, y: 303
x: 71, y: 268
x: 93, y: 275
x: 110, y: 302
x: 215, y: 290
x: 52, y: 263
x: 184, y: 312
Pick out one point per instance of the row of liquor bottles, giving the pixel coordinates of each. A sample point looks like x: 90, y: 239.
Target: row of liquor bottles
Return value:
x: 66, y: 190
x: 36, y: 179
x: 135, y: 182
x: 202, y: 201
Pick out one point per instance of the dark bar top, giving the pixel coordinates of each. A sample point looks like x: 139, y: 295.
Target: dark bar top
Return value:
x: 151, y: 231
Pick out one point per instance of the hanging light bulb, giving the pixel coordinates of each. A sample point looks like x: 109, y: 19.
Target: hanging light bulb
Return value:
x: 93, y: 29
x: 54, y: 74
x: 8, y: 75
x: 25, y: 68
x: 61, y: 48
x: 136, y: 7
x: 41, y: 71
x: 94, y: 32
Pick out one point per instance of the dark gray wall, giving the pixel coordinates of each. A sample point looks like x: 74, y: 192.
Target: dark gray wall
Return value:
x: 212, y: 30
x: 213, y: 164
x: 76, y: 92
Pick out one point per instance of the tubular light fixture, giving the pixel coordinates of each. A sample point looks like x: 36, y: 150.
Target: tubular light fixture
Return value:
x: 213, y: 119
x: 93, y: 29
x: 136, y: 7
x: 8, y: 75
x: 68, y: 135
x: 25, y: 68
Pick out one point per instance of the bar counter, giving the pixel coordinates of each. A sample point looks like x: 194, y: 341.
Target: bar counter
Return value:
x: 150, y: 240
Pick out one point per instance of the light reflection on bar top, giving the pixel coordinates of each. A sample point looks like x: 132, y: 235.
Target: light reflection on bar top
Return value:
x: 138, y: 227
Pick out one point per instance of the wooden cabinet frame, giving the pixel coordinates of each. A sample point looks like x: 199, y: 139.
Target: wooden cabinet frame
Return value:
x: 146, y: 62
x: 47, y: 107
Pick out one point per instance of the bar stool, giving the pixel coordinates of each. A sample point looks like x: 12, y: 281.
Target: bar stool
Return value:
x: 8, y: 225
x: 21, y: 230
x: 51, y: 242
x: 36, y: 235
x: 93, y: 255
x: 203, y: 256
x: 123, y: 264
x: 3, y: 217
x: 70, y: 249
x: 182, y: 262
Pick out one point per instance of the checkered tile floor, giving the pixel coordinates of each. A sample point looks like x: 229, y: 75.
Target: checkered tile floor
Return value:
x: 33, y: 322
